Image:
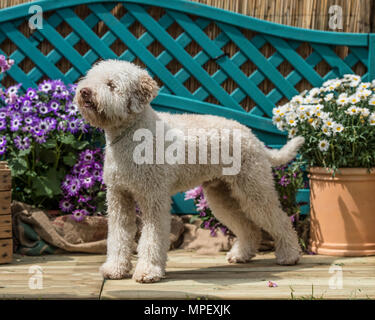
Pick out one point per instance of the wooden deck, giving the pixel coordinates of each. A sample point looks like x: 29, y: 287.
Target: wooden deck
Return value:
x: 189, y: 276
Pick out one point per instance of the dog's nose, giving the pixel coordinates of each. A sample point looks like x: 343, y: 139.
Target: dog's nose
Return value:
x: 85, y: 93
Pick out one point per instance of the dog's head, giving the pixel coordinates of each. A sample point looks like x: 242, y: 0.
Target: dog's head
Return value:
x: 112, y: 91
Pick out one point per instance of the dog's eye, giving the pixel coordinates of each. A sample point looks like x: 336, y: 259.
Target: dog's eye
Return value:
x: 111, y: 85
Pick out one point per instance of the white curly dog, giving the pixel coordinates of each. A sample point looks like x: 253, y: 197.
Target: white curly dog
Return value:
x: 115, y: 96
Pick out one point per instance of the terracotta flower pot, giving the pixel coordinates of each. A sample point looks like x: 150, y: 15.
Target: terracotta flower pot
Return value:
x: 342, y: 212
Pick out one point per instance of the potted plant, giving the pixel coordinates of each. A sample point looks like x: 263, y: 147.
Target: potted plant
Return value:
x: 338, y: 123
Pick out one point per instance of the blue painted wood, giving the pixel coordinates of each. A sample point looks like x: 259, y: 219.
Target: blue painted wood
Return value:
x: 174, y: 96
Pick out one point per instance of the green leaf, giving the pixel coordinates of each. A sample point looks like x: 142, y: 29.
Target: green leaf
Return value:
x: 48, y: 156
x: 79, y: 145
x: 23, y: 153
x: 49, y: 144
x: 49, y: 185
x: 18, y: 166
x: 41, y: 188
x: 70, y: 159
x: 67, y: 139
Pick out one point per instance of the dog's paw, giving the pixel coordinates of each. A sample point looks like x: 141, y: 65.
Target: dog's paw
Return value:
x: 115, y: 271
x: 288, y: 259
x: 148, y: 274
x: 238, y: 257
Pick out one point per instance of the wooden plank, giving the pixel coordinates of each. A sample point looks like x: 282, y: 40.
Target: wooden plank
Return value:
x: 5, y: 200
x: 191, y: 275
x: 5, y: 179
x: 6, y: 251
x: 73, y: 276
x: 5, y: 226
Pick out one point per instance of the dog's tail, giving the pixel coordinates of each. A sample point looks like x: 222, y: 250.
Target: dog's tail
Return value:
x: 286, y: 153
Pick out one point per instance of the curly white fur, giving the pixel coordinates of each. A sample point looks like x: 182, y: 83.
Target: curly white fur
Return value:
x: 115, y: 96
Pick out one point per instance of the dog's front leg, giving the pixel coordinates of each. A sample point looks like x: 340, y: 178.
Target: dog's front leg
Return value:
x: 154, y: 242
x: 121, y: 233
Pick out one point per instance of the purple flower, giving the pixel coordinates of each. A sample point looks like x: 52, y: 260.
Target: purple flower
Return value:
x: 54, y: 105
x: 3, y: 124
x: 193, y: 193
x: 78, y: 215
x: 83, y: 171
x: 31, y: 93
x: 22, y: 143
x: 85, y: 212
x: 3, y: 114
x: 65, y: 184
x: 202, y: 204
x: 43, y: 109
x: 272, y: 284
x: 5, y: 64
x: 40, y: 139
x: 88, y: 181
x: 84, y: 199
x: 71, y: 109
x: 97, y: 174
x: 45, y: 86
x: 293, y: 218
x: 87, y: 156
x: 15, y: 124
x: 284, y: 181
x: 3, y: 141
x: 65, y: 205
x: 74, y: 187
x: 13, y: 89
x: 73, y: 126
x: 3, y: 150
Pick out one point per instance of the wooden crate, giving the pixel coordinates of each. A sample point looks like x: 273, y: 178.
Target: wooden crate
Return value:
x: 6, y: 249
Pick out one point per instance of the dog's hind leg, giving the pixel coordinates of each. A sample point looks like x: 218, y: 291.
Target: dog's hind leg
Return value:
x: 228, y: 212
x: 154, y: 242
x: 121, y: 233
x: 258, y: 198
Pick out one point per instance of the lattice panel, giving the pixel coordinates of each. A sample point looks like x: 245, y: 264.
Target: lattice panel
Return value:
x: 191, y: 56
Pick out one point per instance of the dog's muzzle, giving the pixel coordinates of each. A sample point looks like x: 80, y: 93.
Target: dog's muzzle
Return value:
x: 86, y: 95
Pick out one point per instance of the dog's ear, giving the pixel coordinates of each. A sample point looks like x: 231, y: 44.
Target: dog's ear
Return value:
x: 145, y: 91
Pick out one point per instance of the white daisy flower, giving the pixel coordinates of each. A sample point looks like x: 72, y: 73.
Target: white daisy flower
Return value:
x: 323, y: 145
x: 338, y: 128
x: 292, y: 133
x: 353, y: 110
x: 371, y: 119
x: 291, y: 120
x: 276, y: 110
x: 354, y: 84
x: 353, y: 99
x: 342, y: 101
x: 372, y: 101
x: 276, y: 119
x: 328, y: 97
x: 365, y: 112
x: 297, y: 99
x: 329, y: 123
x: 326, y: 130
x: 364, y: 85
